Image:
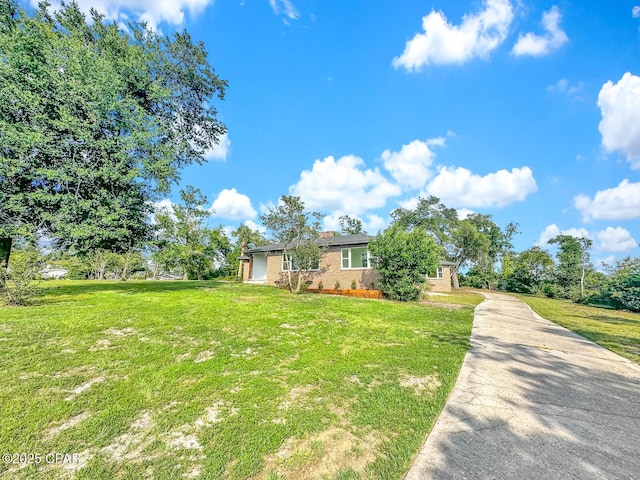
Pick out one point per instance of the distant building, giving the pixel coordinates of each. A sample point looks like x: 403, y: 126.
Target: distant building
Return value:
x: 56, y: 273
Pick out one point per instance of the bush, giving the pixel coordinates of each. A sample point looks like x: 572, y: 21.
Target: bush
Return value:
x: 320, y: 285
x: 19, y: 283
x: 337, y: 286
x: 404, y: 258
x: 549, y: 290
x: 354, y: 285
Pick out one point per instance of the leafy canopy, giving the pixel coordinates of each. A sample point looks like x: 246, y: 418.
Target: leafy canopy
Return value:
x: 184, y: 242
x: 96, y: 122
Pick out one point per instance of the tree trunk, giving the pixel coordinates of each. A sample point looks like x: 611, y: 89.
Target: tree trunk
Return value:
x: 185, y: 276
x: 454, y: 277
x: 5, y: 251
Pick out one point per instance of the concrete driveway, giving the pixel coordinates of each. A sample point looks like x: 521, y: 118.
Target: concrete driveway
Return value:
x: 535, y: 401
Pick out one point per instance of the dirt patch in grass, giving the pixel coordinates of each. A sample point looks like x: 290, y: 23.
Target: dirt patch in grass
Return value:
x: 211, y: 415
x: 101, y: 345
x: 182, y: 357
x: 82, y: 370
x: 180, y: 439
x: 126, y: 447
x: 124, y: 332
x: 71, y: 468
x: 246, y: 299
x: 297, y: 397
x: 420, y: 385
x: 204, y: 356
x: 450, y: 306
x: 82, y: 388
x: 321, y: 455
x: 72, y: 422
x: 246, y: 353
x: 130, y: 445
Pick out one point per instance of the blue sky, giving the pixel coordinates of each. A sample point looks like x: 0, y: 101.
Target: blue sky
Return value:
x: 525, y: 110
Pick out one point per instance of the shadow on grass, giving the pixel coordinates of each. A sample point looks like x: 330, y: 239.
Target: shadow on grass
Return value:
x: 613, y: 320
x: 453, y: 339
x: 134, y: 287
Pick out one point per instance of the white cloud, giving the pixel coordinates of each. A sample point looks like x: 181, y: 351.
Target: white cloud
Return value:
x: 603, y: 264
x: 345, y: 185
x: 458, y: 187
x: 265, y: 207
x: 617, y: 203
x: 164, y: 205
x: 221, y: 150
x: 564, y: 86
x: 616, y: 240
x: 553, y: 230
x: 410, y: 166
x: 537, y: 45
x: 437, y: 142
x: 464, y: 213
x: 611, y: 239
x: 371, y: 223
x: 233, y: 205
x: 152, y: 12
x: 286, y: 7
x: 620, y: 124
x: 443, y: 43
x: 255, y: 226
x: 410, y: 203
x: 635, y: 12
x: 374, y: 223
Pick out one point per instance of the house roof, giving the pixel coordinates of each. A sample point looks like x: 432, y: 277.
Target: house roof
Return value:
x: 338, y: 240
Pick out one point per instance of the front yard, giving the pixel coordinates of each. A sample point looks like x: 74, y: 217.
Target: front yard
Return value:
x: 211, y: 380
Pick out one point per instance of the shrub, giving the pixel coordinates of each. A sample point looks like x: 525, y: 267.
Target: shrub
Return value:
x: 19, y: 283
x: 320, y: 285
x: 354, y: 285
x: 404, y: 258
x: 336, y: 286
x: 549, y: 290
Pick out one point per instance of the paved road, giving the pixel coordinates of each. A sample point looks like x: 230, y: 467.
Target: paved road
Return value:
x: 535, y: 401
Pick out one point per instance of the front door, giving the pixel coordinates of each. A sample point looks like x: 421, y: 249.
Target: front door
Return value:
x: 259, y: 266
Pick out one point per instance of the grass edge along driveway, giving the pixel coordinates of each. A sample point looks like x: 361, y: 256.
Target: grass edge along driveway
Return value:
x: 213, y: 380
x: 616, y: 330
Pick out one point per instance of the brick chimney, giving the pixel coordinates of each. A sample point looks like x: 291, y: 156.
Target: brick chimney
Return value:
x: 327, y: 234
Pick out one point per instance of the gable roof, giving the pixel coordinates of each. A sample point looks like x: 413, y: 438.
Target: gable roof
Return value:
x: 335, y: 241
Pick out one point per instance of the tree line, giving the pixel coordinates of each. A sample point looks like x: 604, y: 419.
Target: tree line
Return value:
x: 96, y: 122
x: 481, y: 255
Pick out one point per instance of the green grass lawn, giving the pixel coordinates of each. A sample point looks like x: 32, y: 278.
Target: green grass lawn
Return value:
x: 616, y: 330
x: 211, y: 380
x: 466, y: 297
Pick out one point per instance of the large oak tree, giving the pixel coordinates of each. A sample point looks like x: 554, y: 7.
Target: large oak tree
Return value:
x: 95, y: 123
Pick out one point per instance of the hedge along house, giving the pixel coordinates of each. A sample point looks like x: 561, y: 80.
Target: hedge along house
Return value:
x: 346, y: 258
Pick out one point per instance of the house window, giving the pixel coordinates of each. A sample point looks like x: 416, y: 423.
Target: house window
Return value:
x: 438, y: 273
x: 289, y: 264
x: 358, y: 257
